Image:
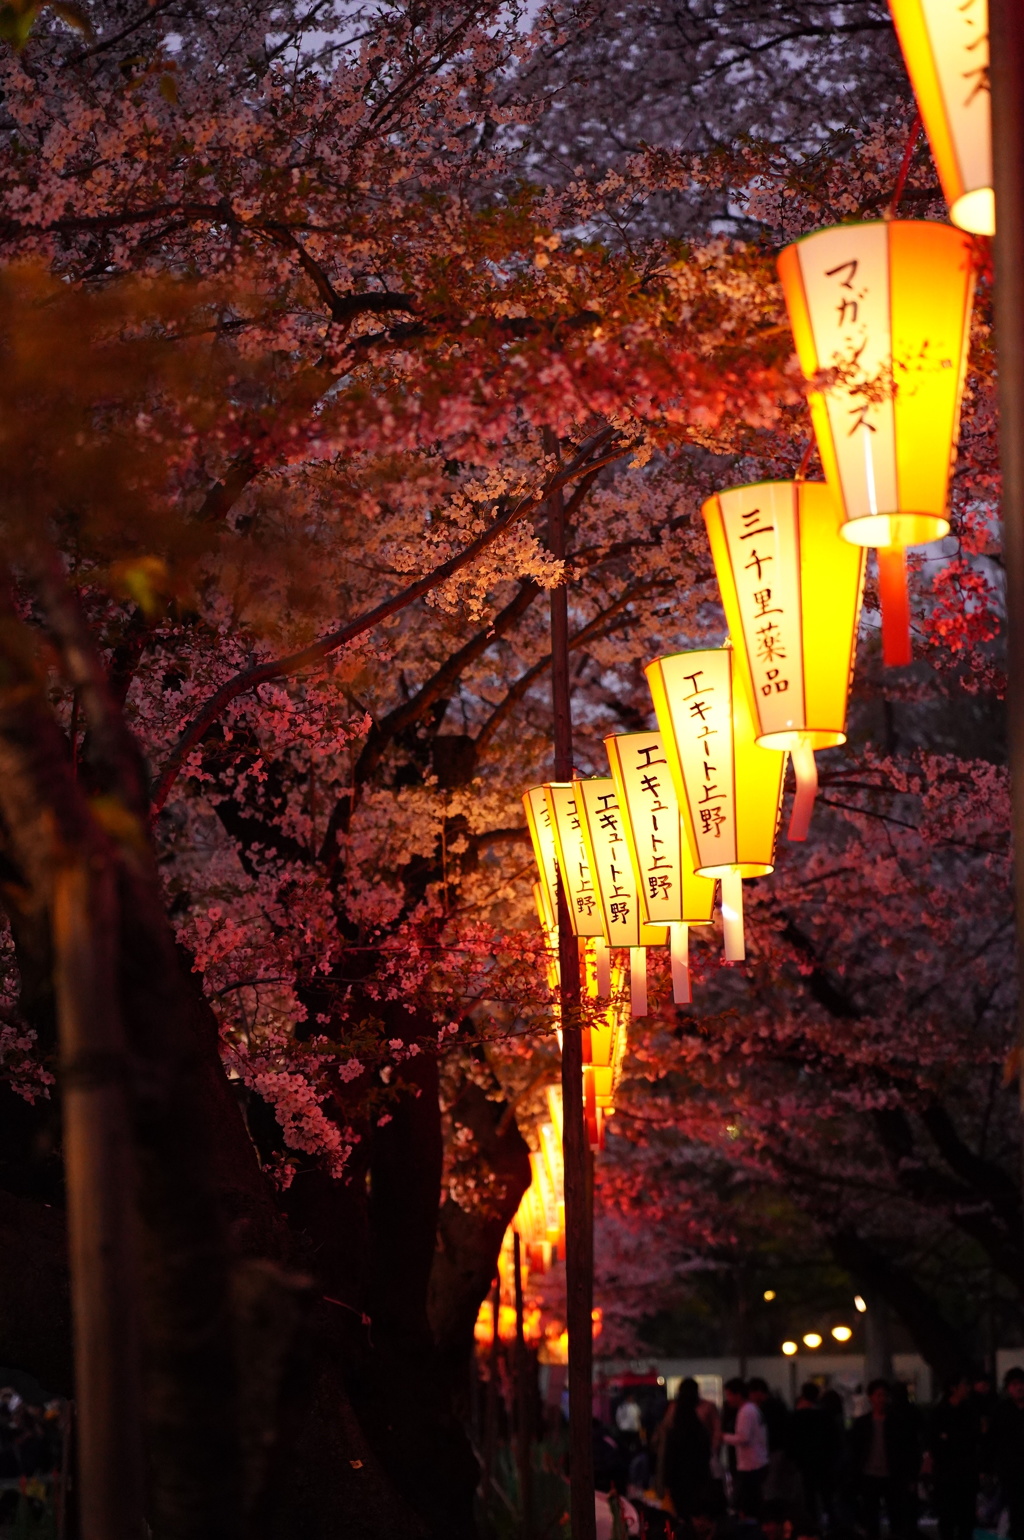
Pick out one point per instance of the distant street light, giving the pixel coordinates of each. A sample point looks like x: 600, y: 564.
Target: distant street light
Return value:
x: 769, y: 1295
x: 842, y: 1333
x: 859, y: 1302
x: 812, y: 1339
x: 789, y: 1348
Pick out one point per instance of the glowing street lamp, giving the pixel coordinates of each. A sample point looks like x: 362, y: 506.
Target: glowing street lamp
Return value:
x: 670, y: 890
x: 882, y: 311
x: 859, y: 1303
x: 789, y: 1348
x: 842, y: 1333
x: 945, y: 49
x: 730, y: 789
x: 812, y: 1339
x: 791, y: 589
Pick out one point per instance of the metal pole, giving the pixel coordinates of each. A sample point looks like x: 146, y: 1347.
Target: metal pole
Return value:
x: 1006, y: 42
x: 579, y: 1212
x: 523, y: 1440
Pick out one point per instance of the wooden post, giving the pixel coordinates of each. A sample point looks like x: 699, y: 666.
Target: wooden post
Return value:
x: 522, y: 1423
x: 579, y: 1210
x: 100, y: 1183
x: 1006, y: 69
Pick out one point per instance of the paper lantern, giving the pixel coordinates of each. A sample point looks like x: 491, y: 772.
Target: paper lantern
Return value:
x: 887, y: 307
x: 609, y: 1036
x: 669, y: 889
x: 542, y: 838
x: 608, y: 858
x: 791, y: 589
x: 729, y: 787
x: 945, y: 48
x: 580, y: 890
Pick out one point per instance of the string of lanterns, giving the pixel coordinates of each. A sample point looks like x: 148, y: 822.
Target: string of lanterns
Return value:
x: 880, y: 313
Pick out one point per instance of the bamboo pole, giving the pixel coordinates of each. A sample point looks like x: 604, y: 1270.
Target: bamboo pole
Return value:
x: 100, y: 1184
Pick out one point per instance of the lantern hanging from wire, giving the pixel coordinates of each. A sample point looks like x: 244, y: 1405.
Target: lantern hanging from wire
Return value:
x: 581, y: 894
x: 545, y: 853
x: 883, y: 311
x: 791, y: 589
x: 609, y: 1029
x: 670, y: 891
x: 729, y: 787
x: 945, y: 49
x: 608, y: 857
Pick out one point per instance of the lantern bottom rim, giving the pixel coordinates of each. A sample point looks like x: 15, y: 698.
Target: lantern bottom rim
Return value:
x: 895, y: 529
x: 742, y: 869
x: 814, y: 737
x: 975, y: 211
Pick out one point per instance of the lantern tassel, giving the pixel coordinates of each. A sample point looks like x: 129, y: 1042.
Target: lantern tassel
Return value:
x: 892, y: 589
x: 679, y: 951
x: 603, y: 961
x: 638, y: 981
x: 806, y: 771
x: 732, y: 916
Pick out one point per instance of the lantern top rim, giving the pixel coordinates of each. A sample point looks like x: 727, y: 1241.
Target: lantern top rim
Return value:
x: 768, y: 481
x: 865, y: 224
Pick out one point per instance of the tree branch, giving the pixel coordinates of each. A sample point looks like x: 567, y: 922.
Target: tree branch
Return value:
x: 280, y: 668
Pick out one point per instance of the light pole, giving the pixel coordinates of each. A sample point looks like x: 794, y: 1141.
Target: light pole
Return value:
x: 1006, y: 37
x: 579, y: 1187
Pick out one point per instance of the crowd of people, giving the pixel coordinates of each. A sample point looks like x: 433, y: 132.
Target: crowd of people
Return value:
x: 30, y: 1452
x: 759, y: 1467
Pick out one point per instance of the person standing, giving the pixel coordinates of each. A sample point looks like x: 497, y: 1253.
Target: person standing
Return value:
x: 808, y: 1442
x: 688, y: 1458
x: 1008, y: 1448
x: 749, y: 1442
x: 953, y: 1451
x: 885, y: 1463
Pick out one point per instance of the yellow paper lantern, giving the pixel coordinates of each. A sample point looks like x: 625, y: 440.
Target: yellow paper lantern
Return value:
x: 581, y: 892
x: 542, y: 838
x: 791, y: 589
x: 604, y: 835
x: 886, y: 308
x: 945, y: 48
x: 670, y: 890
x: 729, y: 787
x: 609, y: 1029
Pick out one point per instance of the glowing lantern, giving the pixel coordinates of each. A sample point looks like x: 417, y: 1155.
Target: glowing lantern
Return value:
x: 945, y: 48
x: 580, y: 893
x: 791, y: 590
x: 542, y: 838
x: 608, y: 858
x: 608, y: 1043
x: 669, y: 888
x: 729, y: 787
x: 887, y: 307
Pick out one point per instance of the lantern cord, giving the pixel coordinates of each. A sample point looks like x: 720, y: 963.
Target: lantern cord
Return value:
x: 805, y: 770
x: 892, y: 591
x: 590, y: 1108
x: 638, y: 981
x: 904, y: 171
x: 679, y: 952
x: 732, y: 916
x: 805, y: 461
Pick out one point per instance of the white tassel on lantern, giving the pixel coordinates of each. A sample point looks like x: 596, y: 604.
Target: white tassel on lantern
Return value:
x: 732, y: 916
x: 679, y: 952
x: 638, y: 981
x: 805, y: 769
x: 603, y: 967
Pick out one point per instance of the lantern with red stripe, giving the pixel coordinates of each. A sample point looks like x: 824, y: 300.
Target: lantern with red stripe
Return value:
x: 881, y: 320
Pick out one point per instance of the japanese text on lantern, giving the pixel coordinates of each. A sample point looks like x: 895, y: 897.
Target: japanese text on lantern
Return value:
x: 645, y: 784
x: 580, y: 892
x: 613, y: 869
x: 701, y: 704
x: 542, y: 837
x: 762, y: 535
